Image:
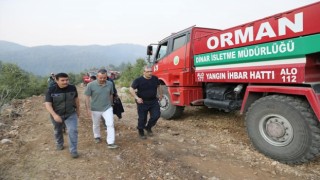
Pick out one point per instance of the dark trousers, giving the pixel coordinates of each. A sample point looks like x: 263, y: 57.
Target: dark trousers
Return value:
x: 151, y: 107
x: 72, y: 125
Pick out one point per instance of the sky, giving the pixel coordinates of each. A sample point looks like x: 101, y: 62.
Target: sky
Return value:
x: 106, y: 22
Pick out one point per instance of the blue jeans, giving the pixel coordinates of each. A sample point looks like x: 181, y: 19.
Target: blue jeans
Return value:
x: 143, y: 110
x: 72, y: 126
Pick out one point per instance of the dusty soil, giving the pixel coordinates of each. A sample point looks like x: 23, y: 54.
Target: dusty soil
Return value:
x: 203, y: 144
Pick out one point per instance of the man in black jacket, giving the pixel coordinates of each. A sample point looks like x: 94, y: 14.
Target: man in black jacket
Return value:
x: 62, y: 103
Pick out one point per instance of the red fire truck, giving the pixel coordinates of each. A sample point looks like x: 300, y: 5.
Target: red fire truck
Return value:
x: 268, y: 69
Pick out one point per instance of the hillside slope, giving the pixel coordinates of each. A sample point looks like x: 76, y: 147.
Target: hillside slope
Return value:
x: 41, y: 60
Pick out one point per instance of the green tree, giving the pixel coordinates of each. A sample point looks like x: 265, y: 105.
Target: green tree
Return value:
x: 16, y: 83
x: 11, y: 84
x: 131, y: 72
x: 122, y: 66
x: 138, y: 68
x: 13, y: 78
x: 72, y: 77
x: 111, y: 67
x: 125, y: 75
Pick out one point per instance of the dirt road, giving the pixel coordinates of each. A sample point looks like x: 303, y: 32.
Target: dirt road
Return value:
x: 203, y: 144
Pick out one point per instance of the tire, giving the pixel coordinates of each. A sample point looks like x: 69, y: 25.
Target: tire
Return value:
x: 284, y: 128
x: 168, y: 110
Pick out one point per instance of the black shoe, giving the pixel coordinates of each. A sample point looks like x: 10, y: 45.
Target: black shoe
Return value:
x: 141, y: 134
x: 149, y: 132
x: 59, y: 147
x: 74, y: 155
x: 97, y: 140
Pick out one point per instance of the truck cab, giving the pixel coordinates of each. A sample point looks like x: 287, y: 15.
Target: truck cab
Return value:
x: 173, y: 64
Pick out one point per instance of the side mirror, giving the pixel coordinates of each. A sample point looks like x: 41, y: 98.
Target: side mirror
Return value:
x: 149, y: 50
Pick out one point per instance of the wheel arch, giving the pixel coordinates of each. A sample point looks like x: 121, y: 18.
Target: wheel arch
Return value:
x: 253, y: 93
x: 162, y: 82
x: 167, y: 108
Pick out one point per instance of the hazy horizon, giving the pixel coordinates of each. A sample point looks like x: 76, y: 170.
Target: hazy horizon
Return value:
x: 99, y: 22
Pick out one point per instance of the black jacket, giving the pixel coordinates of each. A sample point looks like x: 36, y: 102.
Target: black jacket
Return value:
x: 117, y: 107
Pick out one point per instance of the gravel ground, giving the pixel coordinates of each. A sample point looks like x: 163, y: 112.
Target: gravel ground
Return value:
x: 203, y: 144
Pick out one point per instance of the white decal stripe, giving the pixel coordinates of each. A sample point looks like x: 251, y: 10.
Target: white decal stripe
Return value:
x: 252, y: 64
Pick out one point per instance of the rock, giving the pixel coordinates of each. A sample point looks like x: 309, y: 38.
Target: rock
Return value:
x: 194, y: 141
x: 14, y: 127
x: 118, y: 158
x: 213, y: 178
x: 6, y: 141
x: 264, y: 169
x: 175, y: 133
x: 274, y: 163
x: 13, y: 133
x: 213, y: 146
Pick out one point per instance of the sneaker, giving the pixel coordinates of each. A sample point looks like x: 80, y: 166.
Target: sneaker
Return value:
x: 141, y: 134
x: 59, y: 147
x: 149, y: 132
x: 74, y: 155
x: 97, y: 140
x: 112, y: 146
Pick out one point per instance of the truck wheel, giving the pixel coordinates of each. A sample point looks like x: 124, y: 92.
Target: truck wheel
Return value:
x: 168, y: 110
x: 284, y: 128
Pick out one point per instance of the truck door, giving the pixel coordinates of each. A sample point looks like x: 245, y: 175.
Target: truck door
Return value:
x: 179, y: 51
x: 171, y: 58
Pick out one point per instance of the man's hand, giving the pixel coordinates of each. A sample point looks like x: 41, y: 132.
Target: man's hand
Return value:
x: 57, y: 118
x: 139, y: 100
